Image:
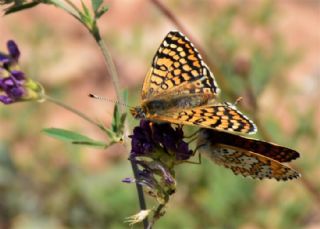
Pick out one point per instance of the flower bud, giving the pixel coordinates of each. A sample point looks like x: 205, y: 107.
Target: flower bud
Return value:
x: 14, y: 85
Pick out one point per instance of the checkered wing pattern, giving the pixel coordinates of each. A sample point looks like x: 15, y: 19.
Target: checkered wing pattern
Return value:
x: 179, y: 88
x: 220, y: 117
x: 267, y: 149
x: 243, y: 161
x: 177, y: 68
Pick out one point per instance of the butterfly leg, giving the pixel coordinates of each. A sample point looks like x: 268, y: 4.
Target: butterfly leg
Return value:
x: 195, y: 162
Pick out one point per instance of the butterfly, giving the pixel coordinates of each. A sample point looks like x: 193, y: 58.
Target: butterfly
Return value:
x: 180, y: 88
x: 248, y: 157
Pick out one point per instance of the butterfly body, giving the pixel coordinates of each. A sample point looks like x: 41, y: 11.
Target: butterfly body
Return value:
x: 179, y: 88
x: 247, y: 157
x: 170, y: 104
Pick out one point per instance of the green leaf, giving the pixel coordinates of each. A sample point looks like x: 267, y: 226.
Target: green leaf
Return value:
x: 118, y: 121
x: 91, y: 143
x: 115, y: 133
x: 85, y: 9
x: 16, y: 8
x: 122, y: 121
x: 98, y: 9
x: 101, y: 11
x: 96, y: 4
x: 110, y: 133
x: 66, y: 135
x: 116, y: 117
x: 86, y: 16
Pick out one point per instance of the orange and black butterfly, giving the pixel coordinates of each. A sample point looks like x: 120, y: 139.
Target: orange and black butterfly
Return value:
x: 180, y: 88
x: 248, y: 157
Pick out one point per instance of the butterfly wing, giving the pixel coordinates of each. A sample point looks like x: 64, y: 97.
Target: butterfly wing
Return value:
x: 242, y: 161
x: 267, y: 149
x: 177, y: 66
x: 219, y: 117
x: 251, y: 164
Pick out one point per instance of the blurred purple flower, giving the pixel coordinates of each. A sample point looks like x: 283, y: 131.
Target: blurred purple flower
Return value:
x: 156, y: 149
x: 142, y: 143
x: 14, y: 85
x: 150, y: 136
x: 128, y: 180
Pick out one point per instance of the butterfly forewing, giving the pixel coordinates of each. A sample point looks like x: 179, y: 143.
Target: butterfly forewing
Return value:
x: 179, y: 88
x: 220, y: 117
x: 242, y: 161
x: 178, y: 66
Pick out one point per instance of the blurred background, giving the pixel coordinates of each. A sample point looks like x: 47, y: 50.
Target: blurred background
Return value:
x: 265, y: 51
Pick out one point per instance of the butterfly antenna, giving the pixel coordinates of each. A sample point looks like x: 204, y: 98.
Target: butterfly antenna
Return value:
x: 108, y: 100
x: 238, y: 100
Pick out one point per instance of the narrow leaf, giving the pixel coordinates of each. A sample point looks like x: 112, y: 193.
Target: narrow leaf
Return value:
x: 85, y: 10
x: 122, y: 121
x: 101, y: 11
x: 16, y: 8
x: 91, y: 143
x: 116, y: 118
x: 66, y: 135
x: 96, y: 4
x: 110, y: 133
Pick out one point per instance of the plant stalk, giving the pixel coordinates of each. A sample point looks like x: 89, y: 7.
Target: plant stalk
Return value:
x: 71, y: 109
x: 114, y: 76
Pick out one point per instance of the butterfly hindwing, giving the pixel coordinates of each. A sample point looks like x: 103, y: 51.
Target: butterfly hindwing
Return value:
x: 178, y: 66
x: 267, y: 149
x: 242, y: 161
x: 247, y: 163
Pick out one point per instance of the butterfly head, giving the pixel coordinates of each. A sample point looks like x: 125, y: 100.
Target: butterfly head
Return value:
x: 138, y: 112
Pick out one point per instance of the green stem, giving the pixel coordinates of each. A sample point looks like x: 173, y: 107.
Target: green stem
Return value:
x: 71, y: 109
x: 73, y: 5
x: 109, y: 63
x: 114, y: 76
x: 67, y: 7
x: 94, y: 30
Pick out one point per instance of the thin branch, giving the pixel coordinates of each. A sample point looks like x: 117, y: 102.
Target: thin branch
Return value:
x: 71, y: 109
x: 167, y: 12
x: 139, y: 188
x: 115, y: 81
x: 110, y: 66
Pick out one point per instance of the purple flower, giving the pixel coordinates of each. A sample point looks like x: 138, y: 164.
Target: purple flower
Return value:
x: 150, y: 136
x: 142, y: 142
x: 156, y: 149
x: 12, y: 57
x: 14, y: 85
x: 13, y: 50
x: 128, y: 180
